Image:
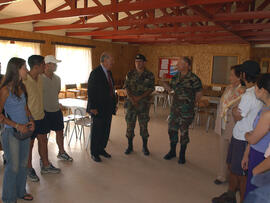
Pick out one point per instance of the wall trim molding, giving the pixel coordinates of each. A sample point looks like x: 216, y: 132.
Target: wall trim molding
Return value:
x: 22, y: 40
x: 72, y: 44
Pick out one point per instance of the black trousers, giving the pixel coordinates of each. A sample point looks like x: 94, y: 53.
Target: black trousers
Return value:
x: 100, y: 133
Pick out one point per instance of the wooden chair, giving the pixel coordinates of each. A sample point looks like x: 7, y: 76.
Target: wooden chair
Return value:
x: 72, y: 88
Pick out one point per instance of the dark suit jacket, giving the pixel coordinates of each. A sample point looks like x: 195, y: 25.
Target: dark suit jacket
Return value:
x: 99, y: 93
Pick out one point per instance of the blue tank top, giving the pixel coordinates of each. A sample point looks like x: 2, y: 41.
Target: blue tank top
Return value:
x: 263, y: 144
x: 15, y: 109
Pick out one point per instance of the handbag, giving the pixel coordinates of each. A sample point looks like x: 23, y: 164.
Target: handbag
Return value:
x: 21, y: 136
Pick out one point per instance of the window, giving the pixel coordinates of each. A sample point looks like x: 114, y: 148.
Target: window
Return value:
x: 9, y: 49
x: 221, y: 69
x: 76, y: 64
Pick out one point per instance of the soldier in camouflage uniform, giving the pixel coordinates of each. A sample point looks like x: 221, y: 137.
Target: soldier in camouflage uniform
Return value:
x: 139, y: 85
x: 187, y: 90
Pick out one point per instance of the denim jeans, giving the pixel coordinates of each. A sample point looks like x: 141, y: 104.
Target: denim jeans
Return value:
x: 262, y: 193
x: 16, y: 154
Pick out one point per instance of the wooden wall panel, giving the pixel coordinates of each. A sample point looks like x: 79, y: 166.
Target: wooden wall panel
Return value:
x: 258, y: 53
x: 202, y: 56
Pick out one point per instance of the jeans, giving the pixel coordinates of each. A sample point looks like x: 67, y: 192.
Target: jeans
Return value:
x: 16, y: 154
x: 262, y: 193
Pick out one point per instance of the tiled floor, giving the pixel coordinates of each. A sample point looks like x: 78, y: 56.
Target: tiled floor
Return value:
x: 134, y: 178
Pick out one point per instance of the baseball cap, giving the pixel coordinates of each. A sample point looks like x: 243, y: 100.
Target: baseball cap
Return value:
x: 51, y: 59
x: 250, y: 67
x: 140, y: 57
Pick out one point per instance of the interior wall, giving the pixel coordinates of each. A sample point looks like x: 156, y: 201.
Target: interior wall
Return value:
x: 123, y: 54
x: 258, y: 53
x: 202, y: 56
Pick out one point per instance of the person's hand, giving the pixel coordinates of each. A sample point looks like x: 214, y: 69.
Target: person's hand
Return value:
x: 136, y: 99
x: 244, y: 162
x: 94, y: 111
x: 22, y: 128
x: 164, y: 76
x: 133, y: 101
x: 31, y: 126
x: 248, y: 134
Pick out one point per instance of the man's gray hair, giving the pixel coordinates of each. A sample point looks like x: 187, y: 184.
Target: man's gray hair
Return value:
x: 104, y: 56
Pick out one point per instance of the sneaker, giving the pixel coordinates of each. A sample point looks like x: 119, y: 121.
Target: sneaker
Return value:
x: 32, y: 175
x: 64, y: 156
x: 50, y: 169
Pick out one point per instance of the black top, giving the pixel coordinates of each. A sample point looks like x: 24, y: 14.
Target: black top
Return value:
x: 99, y: 96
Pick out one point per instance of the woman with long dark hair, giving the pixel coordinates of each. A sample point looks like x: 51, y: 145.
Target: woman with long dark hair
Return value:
x: 17, y: 118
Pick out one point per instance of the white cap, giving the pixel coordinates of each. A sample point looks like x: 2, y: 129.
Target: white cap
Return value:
x: 51, y: 59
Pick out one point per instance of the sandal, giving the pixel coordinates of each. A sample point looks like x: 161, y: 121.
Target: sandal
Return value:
x: 27, y: 197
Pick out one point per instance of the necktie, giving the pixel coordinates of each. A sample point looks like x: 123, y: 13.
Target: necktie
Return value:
x: 110, y: 82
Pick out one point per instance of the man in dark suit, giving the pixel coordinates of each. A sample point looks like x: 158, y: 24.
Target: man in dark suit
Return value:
x: 101, y: 105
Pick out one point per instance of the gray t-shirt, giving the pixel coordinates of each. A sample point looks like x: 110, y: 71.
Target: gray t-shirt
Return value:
x: 51, y: 89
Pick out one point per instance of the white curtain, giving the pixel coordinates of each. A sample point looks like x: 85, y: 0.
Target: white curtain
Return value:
x: 76, y: 64
x: 16, y: 49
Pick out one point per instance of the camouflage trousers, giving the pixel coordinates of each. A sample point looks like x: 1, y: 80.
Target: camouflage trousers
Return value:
x: 177, y: 122
x: 143, y: 117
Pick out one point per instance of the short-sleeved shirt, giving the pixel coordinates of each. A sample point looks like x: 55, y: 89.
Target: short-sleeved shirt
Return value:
x: 138, y: 83
x: 51, y: 89
x: 249, y: 107
x: 34, y: 90
x: 185, y: 90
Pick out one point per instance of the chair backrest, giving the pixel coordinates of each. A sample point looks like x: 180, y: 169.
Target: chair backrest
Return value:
x: 159, y: 89
x: 80, y: 115
x: 71, y: 86
x: 216, y: 88
x: 84, y: 85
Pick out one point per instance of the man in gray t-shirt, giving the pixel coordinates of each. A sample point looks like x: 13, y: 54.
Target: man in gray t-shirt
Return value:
x: 53, y: 113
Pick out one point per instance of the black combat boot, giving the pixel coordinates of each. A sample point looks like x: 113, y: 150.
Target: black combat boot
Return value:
x: 145, y: 149
x: 182, y: 155
x: 130, y: 146
x: 172, y: 153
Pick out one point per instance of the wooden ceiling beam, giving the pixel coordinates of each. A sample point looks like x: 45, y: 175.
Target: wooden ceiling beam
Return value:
x: 121, y: 7
x: 203, y: 2
x: 108, y: 17
x: 59, y: 8
x: 242, y: 16
x: 210, y: 17
x: 127, y: 22
x: 263, y: 5
x: 147, y: 31
x: 182, y: 35
x: 7, y: 1
x: 255, y: 34
x: 261, y: 26
x: 38, y: 5
x: 3, y: 6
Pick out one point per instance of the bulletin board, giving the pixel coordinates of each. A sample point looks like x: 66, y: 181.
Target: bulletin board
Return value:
x: 167, y: 65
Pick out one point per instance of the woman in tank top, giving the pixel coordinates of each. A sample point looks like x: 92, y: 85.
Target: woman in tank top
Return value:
x: 259, y: 138
x: 17, y: 117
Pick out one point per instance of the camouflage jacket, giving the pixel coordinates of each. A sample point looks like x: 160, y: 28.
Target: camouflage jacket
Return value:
x: 185, y: 90
x: 137, y: 84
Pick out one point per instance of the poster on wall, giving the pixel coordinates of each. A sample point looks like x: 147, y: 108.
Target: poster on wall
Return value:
x: 167, y: 66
